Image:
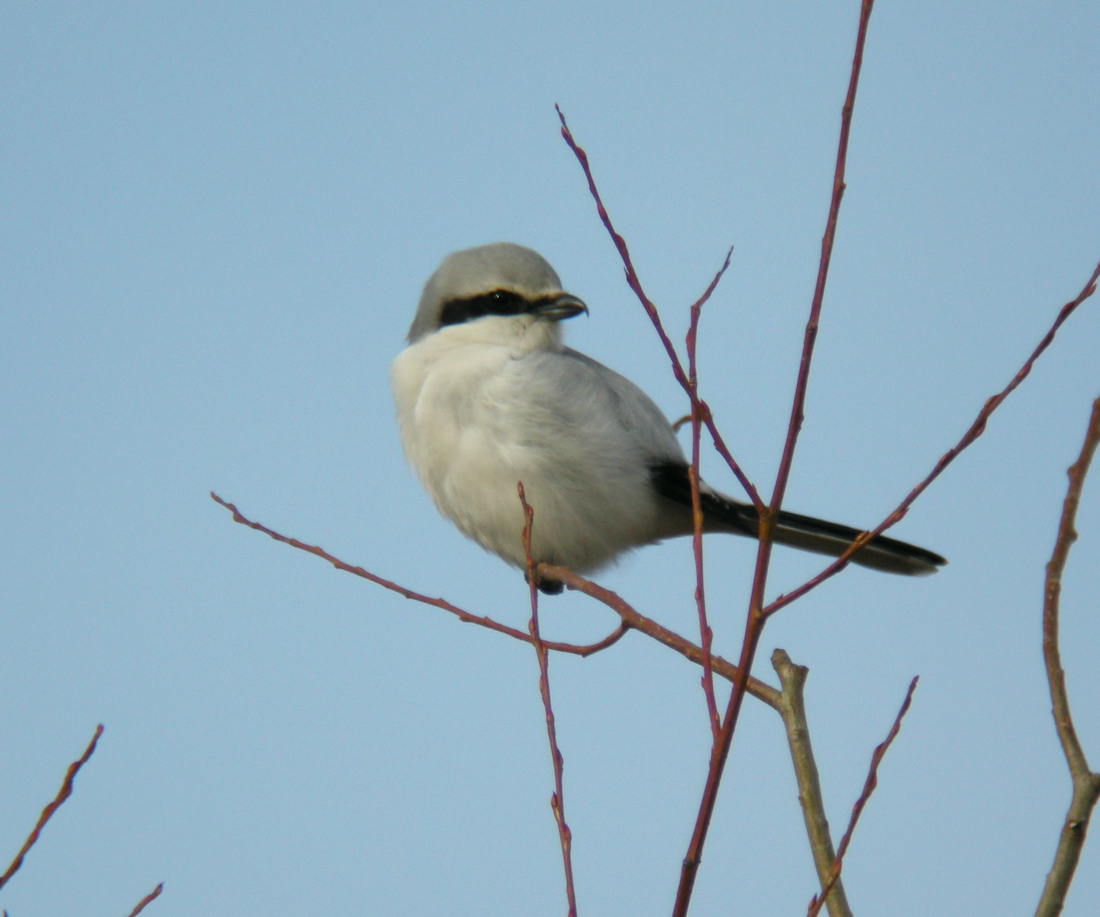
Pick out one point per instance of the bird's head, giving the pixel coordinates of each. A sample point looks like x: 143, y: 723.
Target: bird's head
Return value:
x: 501, y: 279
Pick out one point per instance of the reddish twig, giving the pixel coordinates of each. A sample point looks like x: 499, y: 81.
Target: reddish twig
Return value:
x: 723, y: 450
x: 651, y: 310
x: 149, y: 898
x: 634, y: 620
x: 464, y: 616
x: 706, y: 635
x: 810, y: 337
x: 557, y: 800
x: 755, y: 619
x: 1086, y: 785
x: 62, y: 794
x: 629, y: 618
x: 868, y: 788
x: 976, y: 429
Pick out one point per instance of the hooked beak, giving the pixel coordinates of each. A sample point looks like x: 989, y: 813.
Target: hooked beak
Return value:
x: 560, y: 307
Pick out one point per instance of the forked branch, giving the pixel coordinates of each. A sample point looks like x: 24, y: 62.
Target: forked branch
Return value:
x: 706, y: 636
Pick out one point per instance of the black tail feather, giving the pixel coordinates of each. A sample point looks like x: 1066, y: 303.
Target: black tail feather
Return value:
x: 720, y: 513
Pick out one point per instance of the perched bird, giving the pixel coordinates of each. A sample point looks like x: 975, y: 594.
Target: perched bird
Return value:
x: 487, y: 396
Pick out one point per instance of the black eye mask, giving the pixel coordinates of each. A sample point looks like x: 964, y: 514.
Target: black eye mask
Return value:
x: 499, y: 302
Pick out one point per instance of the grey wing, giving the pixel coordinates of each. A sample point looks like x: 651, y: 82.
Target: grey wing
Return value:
x: 590, y: 441
x: 603, y: 396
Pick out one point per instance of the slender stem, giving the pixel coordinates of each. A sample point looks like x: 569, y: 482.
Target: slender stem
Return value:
x: 868, y: 788
x: 147, y: 900
x: 795, y: 424
x: 464, y: 616
x: 47, y: 813
x: 1086, y: 785
x: 557, y: 800
x: 651, y: 310
x: 630, y: 619
x: 706, y: 635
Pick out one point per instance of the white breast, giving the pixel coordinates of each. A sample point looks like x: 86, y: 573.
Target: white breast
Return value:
x: 489, y: 403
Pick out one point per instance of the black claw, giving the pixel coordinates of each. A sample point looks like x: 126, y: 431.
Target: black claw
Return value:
x: 547, y: 586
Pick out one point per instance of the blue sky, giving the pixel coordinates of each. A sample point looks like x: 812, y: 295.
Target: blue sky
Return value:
x: 215, y: 223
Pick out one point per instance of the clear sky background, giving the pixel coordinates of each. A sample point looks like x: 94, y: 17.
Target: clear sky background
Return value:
x: 215, y: 220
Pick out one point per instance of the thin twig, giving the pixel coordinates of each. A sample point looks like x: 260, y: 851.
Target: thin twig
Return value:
x: 976, y: 429
x: 792, y: 709
x: 62, y: 794
x: 706, y: 635
x: 1086, y: 785
x: 465, y: 616
x: 630, y: 619
x: 557, y: 800
x: 755, y: 619
x: 797, y: 408
x: 141, y: 905
x: 639, y: 622
x: 868, y: 788
x: 651, y: 310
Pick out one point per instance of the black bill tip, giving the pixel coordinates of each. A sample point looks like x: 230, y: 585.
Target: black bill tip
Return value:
x: 560, y: 307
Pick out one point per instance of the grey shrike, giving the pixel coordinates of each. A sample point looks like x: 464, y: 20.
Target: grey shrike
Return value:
x: 487, y: 396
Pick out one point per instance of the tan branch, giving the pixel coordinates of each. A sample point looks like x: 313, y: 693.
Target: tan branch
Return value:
x: 1086, y: 785
x: 793, y: 710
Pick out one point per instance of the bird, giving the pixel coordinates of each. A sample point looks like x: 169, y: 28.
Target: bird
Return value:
x: 487, y: 396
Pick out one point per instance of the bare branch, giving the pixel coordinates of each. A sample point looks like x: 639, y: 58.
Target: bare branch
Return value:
x: 639, y: 622
x: 868, y: 788
x: 149, y: 898
x: 976, y: 429
x: 47, y: 813
x: 629, y: 618
x: 706, y: 636
x: 557, y: 800
x: 651, y: 310
x: 756, y: 619
x: 1086, y: 785
x: 793, y: 710
x: 465, y: 616
x: 810, y: 336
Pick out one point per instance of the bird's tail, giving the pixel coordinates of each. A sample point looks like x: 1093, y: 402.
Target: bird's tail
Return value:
x: 722, y: 514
